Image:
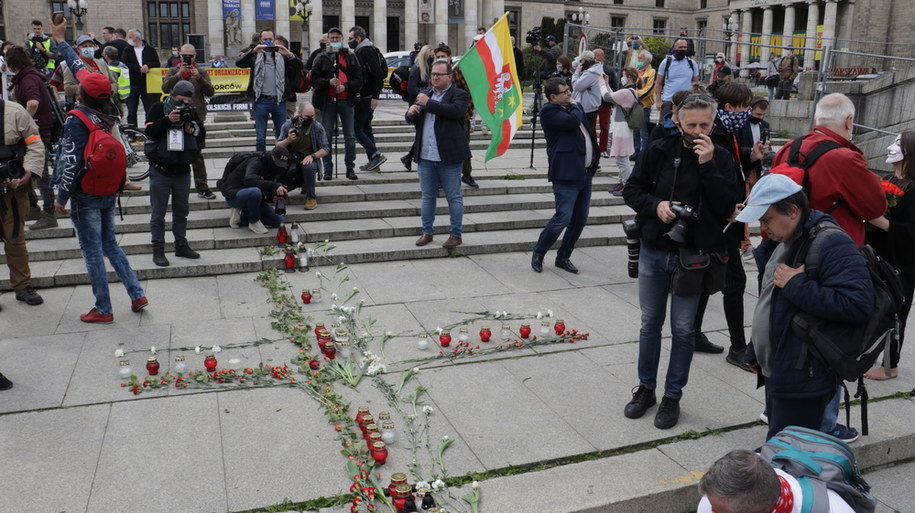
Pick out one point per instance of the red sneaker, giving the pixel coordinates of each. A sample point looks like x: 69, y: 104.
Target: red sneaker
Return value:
x: 139, y: 303
x: 95, y: 317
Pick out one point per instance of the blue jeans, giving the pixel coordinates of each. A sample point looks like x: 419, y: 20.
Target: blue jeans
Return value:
x: 253, y: 207
x: 329, y: 119
x: 573, y: 201
x: 94, y: 223
x: 265, y: 108
x: 435, y: 175
x: 363, y: 126
x: 656, y: 268
x: 831, y: 414
x: 644, y: 132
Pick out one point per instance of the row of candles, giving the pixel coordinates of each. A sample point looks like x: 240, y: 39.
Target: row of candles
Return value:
x: 152, y: 366
x: 524, y: 331
x: 376, y: 439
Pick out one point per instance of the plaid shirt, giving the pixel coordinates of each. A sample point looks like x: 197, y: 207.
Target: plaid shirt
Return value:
x: 461, y: 83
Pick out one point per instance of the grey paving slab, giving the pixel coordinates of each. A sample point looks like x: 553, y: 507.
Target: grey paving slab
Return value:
x: 186, y: 299
x: 50, y: 458
x: 409, y: 281
x: 893, y: 487
x: 162, y: 455
x: 494, y: 416
x: 241, y: 296
x: 277, y: 444
x: 21, y: 320
x: 399, y: 320
x: 40, y: 368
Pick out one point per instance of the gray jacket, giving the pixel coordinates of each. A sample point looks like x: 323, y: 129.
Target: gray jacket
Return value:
x: 318, y: 138
x: 586, y: 87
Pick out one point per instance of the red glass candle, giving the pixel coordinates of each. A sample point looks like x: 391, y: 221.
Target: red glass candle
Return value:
x: 289, y: 262
x: 152, y: 366
x: 396, y: 479
x: 323, y: 338
x: 361, y: 412
x: 366, y: 420
x: 373, y: 436
x: 445, y: 339
x: 401, y: 492
x: 380, y: 454
x: 330, y: 349
x: 559, y: 327
x: 525, y: 330
x: 485, y: 334
x: 210, y: 363
x: 306, y: 297
x: 282, y: 236
x: 318, y: 325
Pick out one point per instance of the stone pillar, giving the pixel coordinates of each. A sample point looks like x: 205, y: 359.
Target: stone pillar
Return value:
x: 498, y: 9
x: 746, y: 27
x: 247, y: 22
x: 347, y: 17
x: 471, y: 22
x: 813, y: 16
x: 216, y: 29
x: 281, y: 11
x: 315, y: 26
x: 441, y: 23
x: 765, y: 40
x: 380, y: 25
x: 788, y: 30
x: 829, y: 24
x: 410, y: 23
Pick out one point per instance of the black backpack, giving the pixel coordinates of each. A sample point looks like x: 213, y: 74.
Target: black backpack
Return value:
x: 851, y: 349
x: 796, y: 169
x: 670, y: 59
x: 398, y: 82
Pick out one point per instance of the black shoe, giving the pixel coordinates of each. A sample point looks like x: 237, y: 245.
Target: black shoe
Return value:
x: 351, y: 174
x: 5, y: 384
x: 206, y: 194
x: 407, y: 163
x: 376, y: 162
x: 29, y: 295
x: 185, y: 251
x: 467, y: 179
x: 642, y: 399
x: 565, y: 263
x: 328, y: 176
x: 668, y: 413
x: 736, y: 358
x: 632, y: 158
x: 159, y: 258
x: 536, y: 262
x: 704, y: 345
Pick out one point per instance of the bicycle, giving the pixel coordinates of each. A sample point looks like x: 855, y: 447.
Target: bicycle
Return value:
x: 134, y: 140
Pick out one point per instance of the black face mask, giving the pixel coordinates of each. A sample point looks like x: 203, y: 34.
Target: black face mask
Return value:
x: 689, y: 140
x: 306, y: 121
x: 353, y: 44
x: 754, y: 120
x: 679, y: 54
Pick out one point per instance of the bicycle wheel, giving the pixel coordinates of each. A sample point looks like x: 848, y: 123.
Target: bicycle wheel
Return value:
x: 137, y: 165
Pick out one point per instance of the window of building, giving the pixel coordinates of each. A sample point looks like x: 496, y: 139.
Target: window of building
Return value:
x: 168, y: 23
x: 617, y: 21
x: 659, y: 3
x: 703, y: 4
x: 362, y: 21
x: 513, y: 29
x: 618, y: 2
x: 659, y: 26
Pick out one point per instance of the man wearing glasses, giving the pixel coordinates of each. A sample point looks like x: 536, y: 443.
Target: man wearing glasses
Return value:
x: 572, y: 154
x: 440, y: 150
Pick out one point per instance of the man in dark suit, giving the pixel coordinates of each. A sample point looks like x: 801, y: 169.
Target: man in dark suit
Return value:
x: 139, y: 58
x: 440, y: 149
x: 572, y: 154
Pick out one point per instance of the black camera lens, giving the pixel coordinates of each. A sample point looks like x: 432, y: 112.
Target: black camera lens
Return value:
x: 633, y: 245
x: 280, y: 205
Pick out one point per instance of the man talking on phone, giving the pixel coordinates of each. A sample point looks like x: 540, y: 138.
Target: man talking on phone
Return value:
x: 683, y: 192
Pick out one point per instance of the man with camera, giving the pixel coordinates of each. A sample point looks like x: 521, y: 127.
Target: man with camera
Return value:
x: 573, y: 157
x: 549, y: 55
x: 683, y: 192
x: 307, y: 143
x: 268, y: 84
x: 203, y: 88
x: 178, y: 134
x: 21, y: 160
x: 251, y: 181
x: 42, y: 49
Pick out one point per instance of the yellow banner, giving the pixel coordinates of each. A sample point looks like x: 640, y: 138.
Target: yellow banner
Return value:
x: 225, y: 80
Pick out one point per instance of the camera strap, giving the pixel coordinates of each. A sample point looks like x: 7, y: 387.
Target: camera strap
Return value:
x: 673, y: 186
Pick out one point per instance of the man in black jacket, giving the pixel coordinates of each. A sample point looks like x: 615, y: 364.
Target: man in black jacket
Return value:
x: 336, y: 78
x: 374, y: 71
x: 253, y: 180
x: 440, y: 149
x: 683, y: 192
x: 139, y: 58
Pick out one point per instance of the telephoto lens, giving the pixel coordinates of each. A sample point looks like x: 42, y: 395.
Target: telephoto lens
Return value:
x: 280, y: 205
x: 633, y: 243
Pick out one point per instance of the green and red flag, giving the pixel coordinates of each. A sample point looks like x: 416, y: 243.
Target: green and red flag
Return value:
x: 492, y: 77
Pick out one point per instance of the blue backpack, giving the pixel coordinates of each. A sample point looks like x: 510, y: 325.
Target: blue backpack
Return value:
x: 819, y: 462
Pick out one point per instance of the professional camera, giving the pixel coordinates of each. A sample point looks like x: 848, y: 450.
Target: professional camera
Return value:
x: 686, y: 215
x: 633, y: 244
x: 187, y: 59
x: 280, y: 205
x: 534, y: 36
x: 186, y: 111
x: 36, y: 52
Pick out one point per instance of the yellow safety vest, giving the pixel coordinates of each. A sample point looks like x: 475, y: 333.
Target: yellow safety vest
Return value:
x: 123, y: 76
x: 52, y: 63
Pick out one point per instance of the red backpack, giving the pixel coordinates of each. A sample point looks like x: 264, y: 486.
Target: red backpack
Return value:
x: 105, y: 171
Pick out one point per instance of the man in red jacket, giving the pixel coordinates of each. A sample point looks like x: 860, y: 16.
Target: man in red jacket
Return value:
x: 840, y: 182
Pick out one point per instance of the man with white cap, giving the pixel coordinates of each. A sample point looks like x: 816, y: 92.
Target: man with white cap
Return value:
x: 832, y: 283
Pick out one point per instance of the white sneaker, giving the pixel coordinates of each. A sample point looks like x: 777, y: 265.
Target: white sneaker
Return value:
x: 235, y: 218
x: 605, y: 155
x: 258, y: 227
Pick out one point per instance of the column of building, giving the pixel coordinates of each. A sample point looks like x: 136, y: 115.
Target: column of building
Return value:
x: 441, y: 23
x: 810, y: 40
x: 471, y: 22
x: 315, y: 25
x: 732, y: 48
x: 788, y: 30
x: 379, y: 29
x: 829, y: 23
x: 216, y: 27
x: 746, y: 27
x: 766, y: 38
x: 282, y: 25
x: 347, y: 17
x: 247, y: 23
x: 411, y: 23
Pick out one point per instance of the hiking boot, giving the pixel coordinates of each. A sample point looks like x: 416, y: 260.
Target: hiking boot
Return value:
x: 668, y: 413
x: 351, y: 174
x: 5, y: 384
x: 139, y: 303
x: 235, y: 218
x: 452, y: 242
x: 206, y: 194
x: 736, y: 358
x: 845, y: 433
x: 311, y: 203
x: 424, y: 239
x: 704, y: 345
x: 185, y: 251
x: 328, y: 175
x: 258, y: 227
x: 97, y: 318
x: 46, y: 220
x: 29, y: 296
x: 470, y: 182
x: 376, y: 162
x: 159, y: 258
x: 642, y: 399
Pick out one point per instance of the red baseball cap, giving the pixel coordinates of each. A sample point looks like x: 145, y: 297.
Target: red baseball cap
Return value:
x: 95, y: 85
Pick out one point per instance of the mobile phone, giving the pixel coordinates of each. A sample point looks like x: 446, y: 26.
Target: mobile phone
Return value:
x: 764, y: 136
x: 57, y: 17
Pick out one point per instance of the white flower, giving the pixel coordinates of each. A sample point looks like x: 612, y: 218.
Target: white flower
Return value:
x: 333, y: 307
x: 438, y: 484
x: 504, y: 313
x: 216, y: 348
x: 362, y: 301
x: 333, y: 296
x: 341, y: 319
x: 375, y: 369
x: 445, y: 438
x: 540, y: 315
x: 152, y: 349
x: 414, y: 370
x: 389, y: 334
x: 318, y: 274
x: 422, y: 484
x: 411, y: 417
x: 428, y: 410
x: 118, y: 353
x: 355, y: 289
x: 197, y: 350
x: 234, y: 361
x: 549, y: 313
x: 438, y: 330
x: 475, y: 485
x: 326, y: 241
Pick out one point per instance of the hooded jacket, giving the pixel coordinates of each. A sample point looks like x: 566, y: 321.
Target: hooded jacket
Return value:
x: 586, y: 87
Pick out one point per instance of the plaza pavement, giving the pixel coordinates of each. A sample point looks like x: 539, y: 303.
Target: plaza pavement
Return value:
x: 71, y: 439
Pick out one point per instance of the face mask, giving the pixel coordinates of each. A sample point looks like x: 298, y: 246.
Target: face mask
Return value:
x: 679, y: 54
x: 132, y: 42
x: 175, y: 53
x: 624, y: 81
x: 559, y: 67
x: 353, y: 44
x: 689, y: 140
x: 635, y: 46
x: 87, y: 52
x: 336, y: 45
x: 894, y: 152
x: 732, y: 121
x: 640, y: 65
x: 755, y: 120
x: 719, y: 59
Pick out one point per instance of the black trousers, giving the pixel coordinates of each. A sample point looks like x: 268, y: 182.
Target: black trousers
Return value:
x: 735, y: 283
x: 805, y: 412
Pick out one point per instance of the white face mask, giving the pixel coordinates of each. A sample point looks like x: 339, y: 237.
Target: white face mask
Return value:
x: 894, y: 152
x: 87, y: 52
x: 132, y: 42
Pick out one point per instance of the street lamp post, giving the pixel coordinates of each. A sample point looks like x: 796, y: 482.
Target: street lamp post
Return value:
x: 304, y: 9
x: 78, y: 8
x: 582, y: 18
x: 730, y: 26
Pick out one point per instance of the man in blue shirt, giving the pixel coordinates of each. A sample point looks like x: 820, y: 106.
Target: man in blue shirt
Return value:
x: 676, y: 73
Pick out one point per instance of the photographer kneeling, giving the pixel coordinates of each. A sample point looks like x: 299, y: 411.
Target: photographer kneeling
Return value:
x: 176, y: 136
x: 683, y: 192
x: 251, y: 181
x: 307, y: 143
